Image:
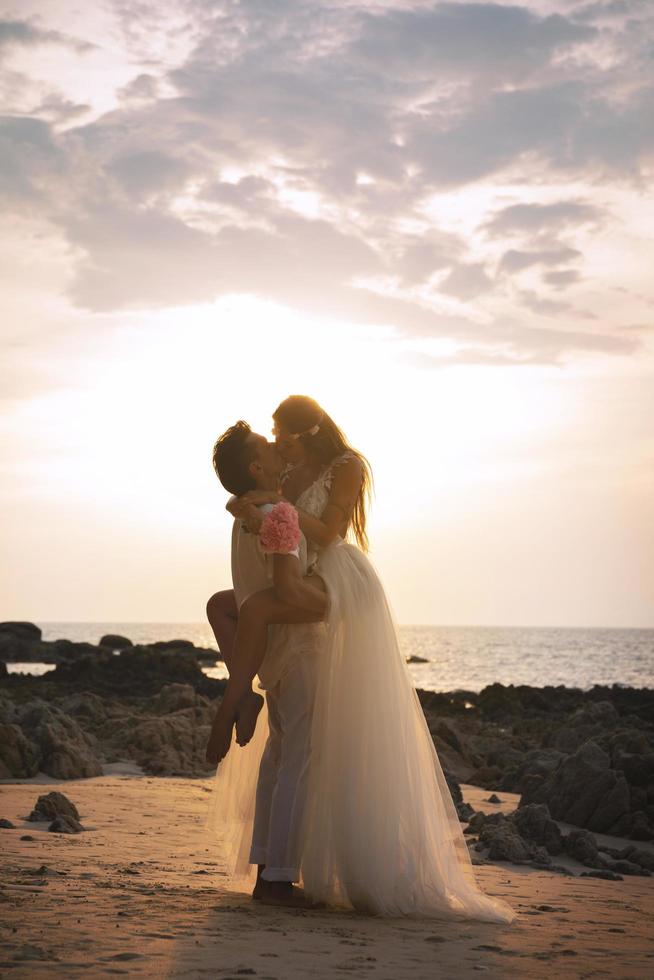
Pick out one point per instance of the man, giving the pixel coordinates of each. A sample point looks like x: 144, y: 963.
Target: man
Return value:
x: 245, y: 461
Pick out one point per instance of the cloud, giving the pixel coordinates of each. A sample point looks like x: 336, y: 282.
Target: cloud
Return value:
x: 462, y: 40
x: 21, y: 32
x: 535, y: 218
x: 291, y: 152
x: 466, y: 281
x: 515, y: 260
x: 562, y: 278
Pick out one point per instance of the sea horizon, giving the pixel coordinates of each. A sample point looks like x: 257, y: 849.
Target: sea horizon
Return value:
x: 448, y: 658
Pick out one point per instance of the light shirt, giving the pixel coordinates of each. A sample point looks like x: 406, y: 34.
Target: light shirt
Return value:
x: 252, y: 571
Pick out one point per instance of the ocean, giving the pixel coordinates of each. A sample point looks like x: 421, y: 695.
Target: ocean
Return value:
x: 456, y: 657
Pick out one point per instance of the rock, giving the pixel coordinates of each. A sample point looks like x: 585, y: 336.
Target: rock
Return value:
x: 174, y: 697
x: 639, y: 856
x: 582, y: 846
x: 535, y: 767
x: 493, y: 798
x: 476, y: 822
x: 584, y: 791
x: 465, y: 812
x: 115, y: 642
x: 3, y: 669
x: 88, y: 707
x: 486, y: 776
x: 52, y: 805
x: 17, y: 648
x: 6, y: 824
x: 27, y: 837
x: 608, y: 875
x: 172, y: 645
x: 641, y: 827
x: 23, y: 631
x: 587, y: 722
x: 505, y: 843
x: 136, y: 672
x: 627, y: 868
x: 65, y: 825
x: 66, y: 650
x: 169, y: 745
x: 413, y: 659
x: 453, y: 785
x: 534, y: 822
x: 66, y: 752
x: 19, y: 756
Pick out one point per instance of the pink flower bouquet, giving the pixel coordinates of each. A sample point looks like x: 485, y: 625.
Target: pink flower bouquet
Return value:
x: 280, y: 531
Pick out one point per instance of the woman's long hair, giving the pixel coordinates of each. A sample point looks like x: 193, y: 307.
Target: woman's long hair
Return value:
x: 299, y: 413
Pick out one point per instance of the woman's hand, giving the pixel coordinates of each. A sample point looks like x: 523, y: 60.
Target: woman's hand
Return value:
x: 259, y: 497
x: 251, y: 517
x: 235, y: 507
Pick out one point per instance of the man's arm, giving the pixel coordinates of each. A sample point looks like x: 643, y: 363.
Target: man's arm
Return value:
x: 304, y: 591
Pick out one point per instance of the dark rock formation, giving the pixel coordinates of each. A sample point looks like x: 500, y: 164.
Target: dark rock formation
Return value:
x: 535, y: 824
x: 582, y: 846
x: 22, y: 631
x: 135, y: 672
x: 51, y: 805
x: 64, y: 750
x: 584, y: 790
x: 505, y: 843
x: 6, y: 824
x: 65, y: 825
x: 114, y: 641
x: 170, y: 745
x: 19, y: 757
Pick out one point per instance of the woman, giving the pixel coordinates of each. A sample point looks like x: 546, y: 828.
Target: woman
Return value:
x: 381, y: 834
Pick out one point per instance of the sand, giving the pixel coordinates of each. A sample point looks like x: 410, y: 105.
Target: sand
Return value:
x: 142, y: 893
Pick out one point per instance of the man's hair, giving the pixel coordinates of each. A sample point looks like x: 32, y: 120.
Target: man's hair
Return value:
x: 232, y: 456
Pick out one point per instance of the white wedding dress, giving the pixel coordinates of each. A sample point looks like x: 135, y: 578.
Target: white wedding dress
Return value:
x: 381, y: 833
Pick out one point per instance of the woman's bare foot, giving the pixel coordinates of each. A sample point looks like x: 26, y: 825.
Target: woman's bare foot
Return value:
x: 220, y: 738
x: 246, y: 719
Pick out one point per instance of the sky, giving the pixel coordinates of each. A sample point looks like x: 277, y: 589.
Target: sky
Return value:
x: 434, y: 218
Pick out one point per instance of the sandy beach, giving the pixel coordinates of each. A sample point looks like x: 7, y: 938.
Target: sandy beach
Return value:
x: 142, y: 892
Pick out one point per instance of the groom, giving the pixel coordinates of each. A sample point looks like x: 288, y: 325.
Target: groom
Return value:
x: 246, y: 461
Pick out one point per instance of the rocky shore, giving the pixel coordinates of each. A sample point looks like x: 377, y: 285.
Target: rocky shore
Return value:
x: 585, y: 758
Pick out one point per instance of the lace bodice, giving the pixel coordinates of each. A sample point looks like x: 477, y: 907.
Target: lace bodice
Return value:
x: 314, y: 498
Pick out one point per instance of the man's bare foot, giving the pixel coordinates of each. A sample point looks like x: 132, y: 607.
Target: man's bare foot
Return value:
x: 220, y: 738
x: 246, y: 719
x: 279, y: 893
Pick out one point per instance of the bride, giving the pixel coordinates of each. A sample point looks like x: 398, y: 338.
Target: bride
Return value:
x: 381, y: 833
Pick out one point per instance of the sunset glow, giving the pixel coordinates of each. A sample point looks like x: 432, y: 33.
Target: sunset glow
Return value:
x: 445, y: 250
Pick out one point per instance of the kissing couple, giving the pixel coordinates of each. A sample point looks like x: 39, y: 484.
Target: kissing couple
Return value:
x: 334, y: 782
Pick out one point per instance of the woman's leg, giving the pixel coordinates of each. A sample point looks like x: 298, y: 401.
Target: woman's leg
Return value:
x: 222, y: 613
x: 257, y: 612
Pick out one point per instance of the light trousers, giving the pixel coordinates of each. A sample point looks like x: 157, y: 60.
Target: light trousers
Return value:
x: 283, y: 772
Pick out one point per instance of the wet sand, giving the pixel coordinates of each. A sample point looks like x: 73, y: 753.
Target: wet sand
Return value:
x: 142, y: 893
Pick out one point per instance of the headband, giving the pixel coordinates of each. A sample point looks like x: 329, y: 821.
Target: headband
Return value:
x: 308, y: 432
